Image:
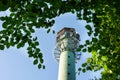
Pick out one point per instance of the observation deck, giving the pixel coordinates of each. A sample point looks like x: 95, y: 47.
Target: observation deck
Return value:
x: 67, y: 40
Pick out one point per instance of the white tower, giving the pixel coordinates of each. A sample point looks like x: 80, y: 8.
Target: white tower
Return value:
x: 65, y: 53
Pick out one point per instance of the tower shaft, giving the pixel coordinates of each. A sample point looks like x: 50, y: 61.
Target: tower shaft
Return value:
x: 67, y: 66
x: 67, y: 60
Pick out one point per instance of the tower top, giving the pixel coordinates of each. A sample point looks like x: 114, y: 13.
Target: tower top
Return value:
x: 67, y: 40
x: 69, y: 32
x: 66, y: 29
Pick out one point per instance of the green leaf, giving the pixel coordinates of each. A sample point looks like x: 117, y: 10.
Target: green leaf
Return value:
x: 37, y: 50
x: 30, y: 54
x: 80, y: 47
x: 2, y: 47
x: 12, y: 14
x: 4, y: 25
x: 48, y: 30
x: 89, y: 68
x: 36, y: 43
x: 94, y: 39
x: 29, y: 48
x: 2, y: 18
x: 89, y: 49
x: 41, y: 60
x: 84, y: 64
x: 53, y: 31
x: 79, y: 69
x: 89, y: 33
x: 34, y: 39
x: 84, y: 50
x: 43, y: 66
x: 104, y: 58
x: 8, y: 45
x: 4, y: 5
x: 87, y: 42
x: 89, y: 60
x: 105, y: 67
x: 96, y: 34
x: 94, y: 52
x: 32, y: 30
x: 35, y: 61
x: 83, y: 70
x: 39, y: 66
x: 40, y: 55
x: 88, y: 27
x: 19, y: 45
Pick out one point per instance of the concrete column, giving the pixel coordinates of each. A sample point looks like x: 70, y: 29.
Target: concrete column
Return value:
x: 67, y: 66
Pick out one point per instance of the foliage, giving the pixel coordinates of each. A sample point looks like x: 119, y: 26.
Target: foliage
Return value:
x: 26, y: 15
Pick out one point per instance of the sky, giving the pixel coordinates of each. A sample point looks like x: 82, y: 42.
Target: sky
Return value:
x: 16, y: 65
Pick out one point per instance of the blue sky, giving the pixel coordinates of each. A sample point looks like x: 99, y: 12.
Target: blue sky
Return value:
x: 15, y: 64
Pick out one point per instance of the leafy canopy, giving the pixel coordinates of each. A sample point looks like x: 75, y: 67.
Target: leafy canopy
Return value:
x: 26, y: 15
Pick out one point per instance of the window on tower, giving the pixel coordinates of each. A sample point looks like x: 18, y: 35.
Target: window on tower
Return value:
x: 68, y: 56
x: 68, y: 64
x: 68, y: 73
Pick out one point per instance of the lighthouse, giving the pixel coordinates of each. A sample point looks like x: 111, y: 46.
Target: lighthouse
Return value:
x: 67, y: 41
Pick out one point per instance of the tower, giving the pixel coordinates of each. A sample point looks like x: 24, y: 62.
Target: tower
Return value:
x: 65, y: 53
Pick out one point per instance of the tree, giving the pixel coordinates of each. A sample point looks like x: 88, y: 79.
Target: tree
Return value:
x: 26, y: 15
